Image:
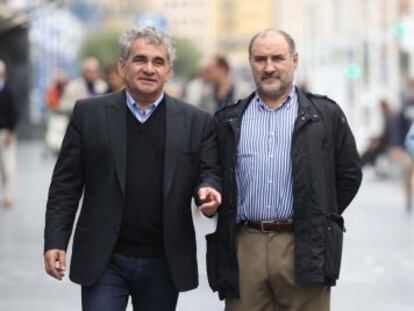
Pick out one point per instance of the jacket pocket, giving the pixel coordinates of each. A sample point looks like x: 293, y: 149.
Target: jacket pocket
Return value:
x: 211, y: 260
x: 333, y: 246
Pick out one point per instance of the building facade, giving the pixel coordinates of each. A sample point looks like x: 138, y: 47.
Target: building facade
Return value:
x: 352, y: 50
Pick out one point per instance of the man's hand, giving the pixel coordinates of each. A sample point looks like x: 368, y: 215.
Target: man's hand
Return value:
x: 209, y: 200
x: 55, y: 263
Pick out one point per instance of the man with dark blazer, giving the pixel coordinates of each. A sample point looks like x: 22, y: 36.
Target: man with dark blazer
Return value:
x: 138, y: 156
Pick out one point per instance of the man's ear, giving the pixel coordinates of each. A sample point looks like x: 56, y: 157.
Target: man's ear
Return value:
x: 296, y: 59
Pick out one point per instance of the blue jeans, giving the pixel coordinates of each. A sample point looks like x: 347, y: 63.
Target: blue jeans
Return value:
x: 146, y: 280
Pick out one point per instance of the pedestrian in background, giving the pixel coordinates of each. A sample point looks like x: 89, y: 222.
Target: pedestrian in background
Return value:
x: 224, y: 90
x: 56, y: 121
x: 8, y: 120
x: 198, y: 91
x: 87, y: 85
x: 113, y: 79
x: 290, y: 168
x: 55, y: 91
x: 409, y: 141
x: 138, y: 156
x: 407, y: 135
x: 387, y: 140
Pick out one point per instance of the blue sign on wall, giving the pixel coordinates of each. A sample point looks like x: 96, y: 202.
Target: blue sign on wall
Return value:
x: 152, y: 19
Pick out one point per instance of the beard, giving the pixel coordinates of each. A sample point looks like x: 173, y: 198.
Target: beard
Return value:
x: 274, y: 86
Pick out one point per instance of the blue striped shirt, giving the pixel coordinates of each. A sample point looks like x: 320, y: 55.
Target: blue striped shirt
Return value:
x: 142, y: 115
x: 264, y: 164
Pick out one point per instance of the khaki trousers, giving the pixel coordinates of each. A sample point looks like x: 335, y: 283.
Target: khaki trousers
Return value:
x: 7, y: 166
x: 266, y: 276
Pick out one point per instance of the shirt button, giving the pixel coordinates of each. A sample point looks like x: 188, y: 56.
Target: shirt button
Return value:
x: 302, y: 118
x: 271, y: 156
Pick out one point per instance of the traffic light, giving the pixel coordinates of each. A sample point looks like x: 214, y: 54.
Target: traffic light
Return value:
x: 399, y: 29
x: 352, y: 71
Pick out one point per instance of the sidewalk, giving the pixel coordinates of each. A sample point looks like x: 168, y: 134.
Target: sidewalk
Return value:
x: 377, y: 267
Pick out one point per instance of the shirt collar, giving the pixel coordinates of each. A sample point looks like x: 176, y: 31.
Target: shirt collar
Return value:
x: 132, y: 104
x: 286, y: 104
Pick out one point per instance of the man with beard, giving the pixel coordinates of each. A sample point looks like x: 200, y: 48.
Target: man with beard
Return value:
x: 290, y: 168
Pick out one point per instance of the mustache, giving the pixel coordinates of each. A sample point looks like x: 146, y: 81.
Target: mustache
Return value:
x: 269, y: 77
x: 147, y: 78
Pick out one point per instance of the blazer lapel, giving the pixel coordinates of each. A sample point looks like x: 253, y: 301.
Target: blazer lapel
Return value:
x: 116, y: 119
x: 175, y: 134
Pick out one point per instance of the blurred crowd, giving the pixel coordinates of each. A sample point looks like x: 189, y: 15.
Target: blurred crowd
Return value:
x: 389, y: 152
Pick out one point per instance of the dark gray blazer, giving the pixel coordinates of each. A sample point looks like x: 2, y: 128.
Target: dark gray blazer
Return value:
x: 92, y: 162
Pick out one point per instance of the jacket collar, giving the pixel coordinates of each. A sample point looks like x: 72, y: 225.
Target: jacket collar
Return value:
x: 306, y: 106
x: 306, y: 112
x: 304, y: 102
x: 239, y: 107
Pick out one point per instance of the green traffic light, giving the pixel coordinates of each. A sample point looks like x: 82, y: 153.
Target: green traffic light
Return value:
x: 352, y: 71
x: 398, y: 29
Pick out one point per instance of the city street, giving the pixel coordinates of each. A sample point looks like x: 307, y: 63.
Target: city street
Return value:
x: 377, y: 267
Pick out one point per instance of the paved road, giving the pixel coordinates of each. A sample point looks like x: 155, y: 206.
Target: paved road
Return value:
x: 377, y: 270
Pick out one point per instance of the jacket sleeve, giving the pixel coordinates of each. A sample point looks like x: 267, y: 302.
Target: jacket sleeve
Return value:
x: 66, y: 187
x: 409, y: 141
x: 209, y: 173
x: 348, y: 173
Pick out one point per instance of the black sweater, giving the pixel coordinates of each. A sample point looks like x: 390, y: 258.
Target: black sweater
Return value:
x: 141, y: 234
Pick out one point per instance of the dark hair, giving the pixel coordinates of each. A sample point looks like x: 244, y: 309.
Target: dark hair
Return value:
x: 222, y: 62
x: 111, y: 68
